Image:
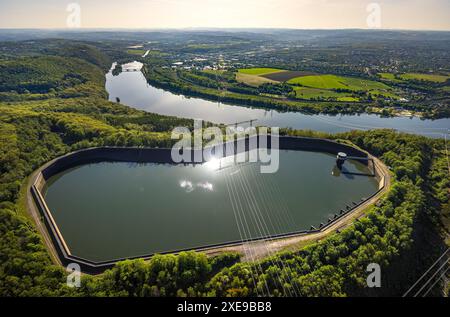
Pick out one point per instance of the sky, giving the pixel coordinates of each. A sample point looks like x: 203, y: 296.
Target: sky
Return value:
x: 298, y: 14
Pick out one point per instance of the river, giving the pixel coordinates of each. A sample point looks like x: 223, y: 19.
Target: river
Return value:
x: 133, y: 90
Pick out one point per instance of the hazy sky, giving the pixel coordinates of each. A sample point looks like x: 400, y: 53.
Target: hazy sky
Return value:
x: 395, y: 14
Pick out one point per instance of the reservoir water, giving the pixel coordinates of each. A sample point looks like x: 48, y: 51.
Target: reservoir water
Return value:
x: 133, y: 90
x: 107, y: 211
x: 110, y: 210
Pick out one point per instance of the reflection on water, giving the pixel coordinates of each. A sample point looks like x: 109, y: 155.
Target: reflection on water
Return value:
x: 113, y: 210
x: 336, y: 172
x: 133, y: 90
x: 131, y: 67
x: 206, y: 186
x: 187, y: 186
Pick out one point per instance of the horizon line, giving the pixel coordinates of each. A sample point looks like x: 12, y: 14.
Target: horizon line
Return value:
x: 217, y: 28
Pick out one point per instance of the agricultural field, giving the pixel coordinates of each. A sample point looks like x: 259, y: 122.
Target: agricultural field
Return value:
x: 325, y: 85
x: 136, y: 52
x: 426, y: 77
x: 274, y: 74
x: 252, y: 80
x: 259, y: 71
x: 390, y: 77
x: 314, y: 93
x: 338, y: 82
x: 285, y: 76
x: 255, y: 77
x: 311, y: 86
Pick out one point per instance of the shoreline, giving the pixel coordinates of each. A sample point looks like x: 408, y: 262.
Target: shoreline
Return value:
x: 283, y: 107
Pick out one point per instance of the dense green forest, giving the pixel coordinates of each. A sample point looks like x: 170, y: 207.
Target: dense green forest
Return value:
x: 60, y: 107
x: 42, y: 77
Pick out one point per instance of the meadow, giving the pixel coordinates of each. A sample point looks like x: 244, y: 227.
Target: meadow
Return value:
x: 313, y: 93
x: 285, y: 76
x: 311, y: 86
x: 426, y: 77
x: 414, y: 76
x: 338, y: 82
x: 136, y: 52
x: 259, y: 71
x: 389, y: 77
x: 252, y: 80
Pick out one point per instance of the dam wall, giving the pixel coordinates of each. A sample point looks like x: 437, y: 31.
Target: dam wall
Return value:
x: 163, y: 155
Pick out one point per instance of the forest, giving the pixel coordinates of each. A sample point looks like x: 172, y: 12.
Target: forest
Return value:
x: 60, y: 106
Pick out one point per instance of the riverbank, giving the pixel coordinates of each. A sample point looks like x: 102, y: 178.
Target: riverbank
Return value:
x: 158, y: 79
x: 133, y: 89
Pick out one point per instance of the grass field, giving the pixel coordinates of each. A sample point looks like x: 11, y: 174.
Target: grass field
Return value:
x: 339, y: 82
x: 259, y: 71
x: 213, y: 71
x: 252, y: 80
x: 312, y: 93
x: 156, y: 53
x: 136, y: 52
x: 426, y: 77
x: 389, y: 77
x: 387, y: 94
x: 314, y: 86
x: 348, y: 99
x: 287, y: 75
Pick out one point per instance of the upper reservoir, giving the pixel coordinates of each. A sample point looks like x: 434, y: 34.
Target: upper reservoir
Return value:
x: 133, y: 90
x: 111, y: 210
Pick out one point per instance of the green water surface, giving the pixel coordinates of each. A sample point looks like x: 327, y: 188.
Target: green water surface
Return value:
x: 107, y: 211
